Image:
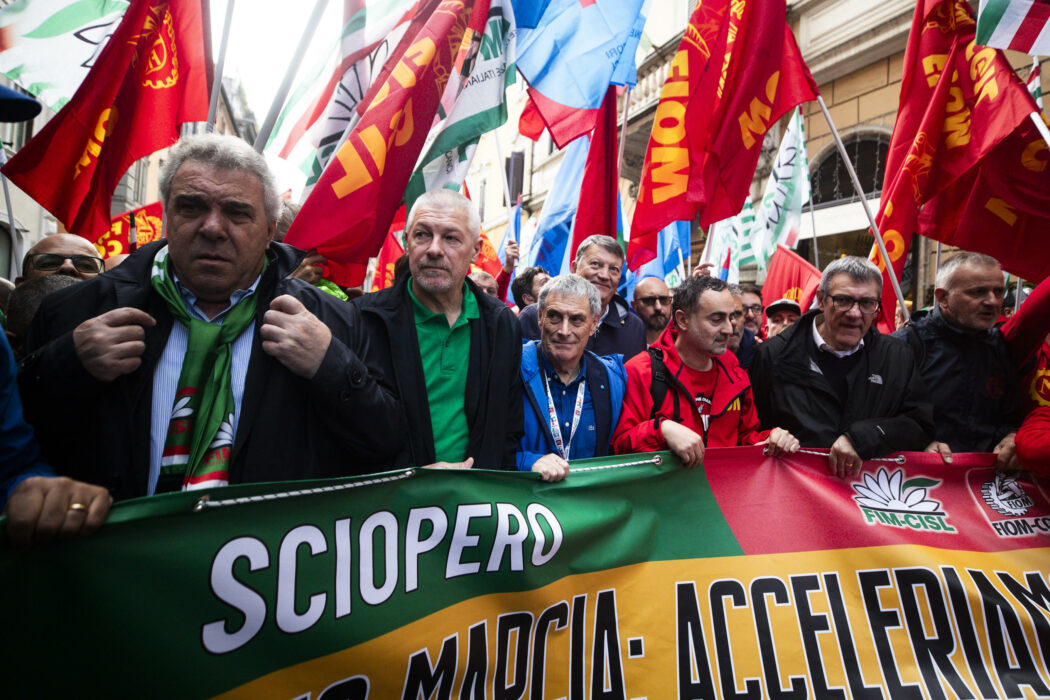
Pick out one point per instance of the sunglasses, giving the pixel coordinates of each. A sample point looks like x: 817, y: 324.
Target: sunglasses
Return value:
x: 651, y: 301
x: 49, y: 262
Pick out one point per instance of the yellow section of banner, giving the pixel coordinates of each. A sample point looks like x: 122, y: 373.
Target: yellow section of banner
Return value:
x: 904, y: 620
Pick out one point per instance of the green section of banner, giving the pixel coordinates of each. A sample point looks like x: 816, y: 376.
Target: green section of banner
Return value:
x: 182, y: 597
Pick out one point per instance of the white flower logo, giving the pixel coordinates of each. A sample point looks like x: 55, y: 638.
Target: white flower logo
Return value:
x: 887, y: 491
x: 182, y: 409
x: 224, y: 435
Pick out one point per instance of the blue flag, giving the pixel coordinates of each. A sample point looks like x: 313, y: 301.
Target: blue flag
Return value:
x: 550, y: 245
x: 669, y: 263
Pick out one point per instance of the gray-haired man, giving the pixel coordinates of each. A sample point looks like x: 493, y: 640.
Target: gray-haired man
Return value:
x: 834, y: 381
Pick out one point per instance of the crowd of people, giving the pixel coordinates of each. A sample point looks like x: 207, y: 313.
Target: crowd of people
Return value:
x: 212, y: 357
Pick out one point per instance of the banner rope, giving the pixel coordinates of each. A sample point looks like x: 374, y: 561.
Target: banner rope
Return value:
x: 206, y: 502
x: 657, y: 459
x: 899, y: 459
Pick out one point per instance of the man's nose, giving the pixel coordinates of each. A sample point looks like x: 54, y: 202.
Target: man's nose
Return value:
x: 67, y: 268
x: 214, y: 222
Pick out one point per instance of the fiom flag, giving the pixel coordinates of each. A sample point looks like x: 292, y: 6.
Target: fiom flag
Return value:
x: 736, y: 72
x: 571, y: 55
x: 348, y: 213
x: 779, y: 216
x: 1021, y: 25
x: 958, y: 100
x: 50, y: 45
x: 474, y: 102
x: 790, y: 277
x: 146, y: 82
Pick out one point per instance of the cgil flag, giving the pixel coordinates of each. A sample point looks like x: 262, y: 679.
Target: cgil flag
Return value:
x: 724, y: 242
x: 779, y: 216
x: 149, y: 79
x: 347, y: 214
x: 334, y: 81
x: 737, y: 70
x: 571, y: 55
x: 474, y: 103
x: 1021, y: 25
x: 958, y: 100
x: 149, y: 227
x: 790, y: 276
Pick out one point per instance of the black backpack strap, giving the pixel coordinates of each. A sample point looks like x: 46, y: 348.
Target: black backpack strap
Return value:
x: 659, y: 383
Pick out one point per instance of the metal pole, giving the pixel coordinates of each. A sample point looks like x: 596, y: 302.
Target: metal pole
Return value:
x: 1041, y: 125
x: 216, y: 84
x: 623, y: 131
x: 813, y: 218
x: 867, y: 209
x: 1017, y: 295
x: 939, y: 246
x: 289, y: 75
x: 16, y: 237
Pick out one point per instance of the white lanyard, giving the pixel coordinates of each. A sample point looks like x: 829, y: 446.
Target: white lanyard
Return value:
x: 563, y: 449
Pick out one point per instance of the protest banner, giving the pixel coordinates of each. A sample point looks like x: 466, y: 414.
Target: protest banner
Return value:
x: 632, y: 578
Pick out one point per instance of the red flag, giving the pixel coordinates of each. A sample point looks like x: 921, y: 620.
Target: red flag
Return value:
x: 736, y: 72
x: 790, y: 276
x: 530, y: 123
x: 958, y: 101
x: 148, y: 228
x: 149, y: 79
x: 348, y: 213
x: 596, y: 211
x: 488, y: 258
x: 388, y: 256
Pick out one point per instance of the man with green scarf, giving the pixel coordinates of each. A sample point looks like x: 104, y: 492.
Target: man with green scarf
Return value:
x: 198, y: 362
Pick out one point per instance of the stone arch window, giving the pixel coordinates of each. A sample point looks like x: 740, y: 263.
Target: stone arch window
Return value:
x: 830, y: 180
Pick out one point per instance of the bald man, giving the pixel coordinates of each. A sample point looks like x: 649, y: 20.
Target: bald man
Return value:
x: 61, y: 254
x: 652, y: 303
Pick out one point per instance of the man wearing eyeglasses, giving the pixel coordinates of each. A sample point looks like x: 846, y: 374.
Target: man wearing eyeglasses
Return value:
x: 834, y: 381
x: 61, y: 254
x: 652, y: 303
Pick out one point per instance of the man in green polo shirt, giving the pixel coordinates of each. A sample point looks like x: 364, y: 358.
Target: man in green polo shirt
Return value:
x: 453, y: 351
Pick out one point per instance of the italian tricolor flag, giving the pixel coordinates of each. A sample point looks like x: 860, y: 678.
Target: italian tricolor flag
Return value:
x: 1021, y: 25
x: 1034, y: 84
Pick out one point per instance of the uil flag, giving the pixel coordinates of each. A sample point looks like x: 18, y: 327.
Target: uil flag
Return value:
x: 791, y: 277
x: 348, y: 213
x: 958, y: 101
x: 149, y: 79
x: 1021, y: 25
x: 736, y: 72
x: 1034, y: 84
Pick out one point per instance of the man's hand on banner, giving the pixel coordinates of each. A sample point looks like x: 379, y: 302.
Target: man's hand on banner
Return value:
x: 551, y: 467
x: 111, y: 344
x: 687, y: 445
x: 942, y: 449
x: 843, y: 460
x: 44, y: 508
x: 466, y: 464
x: 780, y: 442
x: 297, y: 338
x: 1006, y: 453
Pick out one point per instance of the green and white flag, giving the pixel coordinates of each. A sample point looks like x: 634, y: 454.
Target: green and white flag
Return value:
x: 1034, y: 84
x: 726, y: 241
x: 339, y: 70
x: 1021, y: 25
x: 780, y: 213
x: 474, y: 103
x: 52, y: 44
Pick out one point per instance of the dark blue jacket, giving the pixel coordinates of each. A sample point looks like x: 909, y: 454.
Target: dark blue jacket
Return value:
x: 19, y: 452
x: 607, y: 382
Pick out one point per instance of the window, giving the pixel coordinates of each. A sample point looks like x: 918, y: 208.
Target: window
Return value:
x: 830, y: 180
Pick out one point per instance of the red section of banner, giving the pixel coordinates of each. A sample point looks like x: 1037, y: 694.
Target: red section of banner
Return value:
x: 958, y: 100
x: 790, y: 277
x: 596, y: 210
x: 967, y: 505
x: 736, y: 72
x: 148, y: 79
x: 348, y: 213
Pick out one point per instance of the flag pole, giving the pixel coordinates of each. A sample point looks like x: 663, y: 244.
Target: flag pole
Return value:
x: 503, y: 172
x: 289, y: 75
x: 1017, y: 294
x: 867, y: 209
x: 216, y: 84
x: 623, y: 131
x: 1041, y: 125
x: 813, y: 219
x: 939, y: 245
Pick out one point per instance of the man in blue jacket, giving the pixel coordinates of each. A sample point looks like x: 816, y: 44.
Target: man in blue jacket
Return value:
x: 572, y: 397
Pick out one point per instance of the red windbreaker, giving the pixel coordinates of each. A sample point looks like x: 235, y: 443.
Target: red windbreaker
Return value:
x: 733, y: 420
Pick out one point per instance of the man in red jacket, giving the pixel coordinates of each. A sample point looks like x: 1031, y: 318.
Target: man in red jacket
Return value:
x: 702, y: 397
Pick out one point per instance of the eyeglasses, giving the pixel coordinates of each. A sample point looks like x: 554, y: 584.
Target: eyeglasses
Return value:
x: 844, y: 302
x: 651, y: 301
x: 49, y: 262
x: 755, y: 309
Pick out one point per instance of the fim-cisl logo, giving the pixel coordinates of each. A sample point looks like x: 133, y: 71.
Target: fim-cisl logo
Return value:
x: 887, y: 499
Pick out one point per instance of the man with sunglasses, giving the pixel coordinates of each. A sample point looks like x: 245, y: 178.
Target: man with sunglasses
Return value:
x: 652, y: 303
x: 61, y: 254
x: 835, y: 382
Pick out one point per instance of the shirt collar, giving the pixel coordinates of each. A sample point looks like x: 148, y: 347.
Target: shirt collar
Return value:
x: 191, y: 299
x: 552, y: 375
x: 823, y: 345
x: 422, y: 314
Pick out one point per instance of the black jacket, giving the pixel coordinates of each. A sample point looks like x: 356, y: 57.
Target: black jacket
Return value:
x: 344, y: 421
x: 493, y: 393
x: 975, y: 389
x: 888, y: 408
x: 619, y: 332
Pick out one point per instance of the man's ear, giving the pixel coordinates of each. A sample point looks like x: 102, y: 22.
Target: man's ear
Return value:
x: 941, y: 296
x: 572, y: 266
x: 477, y: 249
x: 681, y: 319
x: 271, y: 232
